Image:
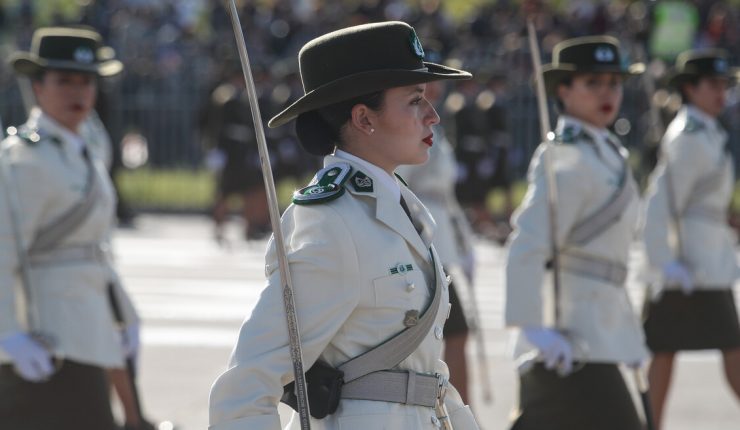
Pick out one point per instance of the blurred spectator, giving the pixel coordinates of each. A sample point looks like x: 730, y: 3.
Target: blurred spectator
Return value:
x: 228, y: 133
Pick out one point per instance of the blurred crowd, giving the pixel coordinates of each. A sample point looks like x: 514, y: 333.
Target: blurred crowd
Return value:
x: 179, y: 53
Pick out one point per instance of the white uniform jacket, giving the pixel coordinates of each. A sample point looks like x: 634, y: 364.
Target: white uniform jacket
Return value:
x: 693, y: 147
x: 434, y: 184
x: 350, y: 296
x: 49, y: 177
x: 595, y: 313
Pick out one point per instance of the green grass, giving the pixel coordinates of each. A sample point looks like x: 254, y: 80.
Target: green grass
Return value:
x: 181, y: 189
x: 175, y: 189
x: 193, y: 190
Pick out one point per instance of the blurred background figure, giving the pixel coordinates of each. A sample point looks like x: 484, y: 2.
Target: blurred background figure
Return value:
x: 228, y: 133
x: 690, y: 251
x: 57, y: 212
x: 434, y: 183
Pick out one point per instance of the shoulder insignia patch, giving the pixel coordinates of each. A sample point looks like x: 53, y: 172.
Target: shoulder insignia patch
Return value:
x: 403, y: 181
x: 327, y: 185
x: 361, y: 182
x: 571, y: 134
x: 692, y: 124
x: 568, y: 134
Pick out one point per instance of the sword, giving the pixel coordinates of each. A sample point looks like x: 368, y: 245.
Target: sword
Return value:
x: 552, y: 191
x: 296, y: 354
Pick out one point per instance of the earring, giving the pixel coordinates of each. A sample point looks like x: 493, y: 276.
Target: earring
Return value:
x: 372, y: 130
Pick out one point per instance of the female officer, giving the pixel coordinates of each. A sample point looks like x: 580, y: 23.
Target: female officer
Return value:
x: 57, y: 329
x: 689, y: 246
x: 572, y: 340
x: 358, y: 243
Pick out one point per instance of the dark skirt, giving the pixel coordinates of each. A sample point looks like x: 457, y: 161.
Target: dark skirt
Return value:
x: 705, y: 319
x: 456, y: 323
x: 75, y: 398
x: 594, y: 397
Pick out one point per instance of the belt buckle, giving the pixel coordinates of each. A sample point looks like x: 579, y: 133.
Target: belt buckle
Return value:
x: 442, y: 383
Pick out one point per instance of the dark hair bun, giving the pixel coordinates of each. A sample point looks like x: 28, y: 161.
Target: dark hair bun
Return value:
x: 314, y: 133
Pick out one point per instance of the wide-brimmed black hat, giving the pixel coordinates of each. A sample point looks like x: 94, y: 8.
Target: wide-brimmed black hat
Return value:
x: 700, y: 62
x: 360, y: 60
x: 63, y: 48
x: 589, y: 54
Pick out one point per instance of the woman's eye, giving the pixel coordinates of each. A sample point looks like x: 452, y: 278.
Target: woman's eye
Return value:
x: 416, y: 101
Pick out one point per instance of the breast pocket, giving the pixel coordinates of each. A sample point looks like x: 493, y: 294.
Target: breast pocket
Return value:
x: 400, y: 291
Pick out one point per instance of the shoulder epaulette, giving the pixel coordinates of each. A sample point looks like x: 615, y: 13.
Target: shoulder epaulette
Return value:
x: 572, y: 133
x: 692, y: 125
x: 327, y: 185
x: 569, y: 134
x: 30, y: 135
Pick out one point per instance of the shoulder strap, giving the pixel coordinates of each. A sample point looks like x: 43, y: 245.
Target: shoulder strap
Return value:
x: 388, y: 354
x: 598, y: 222
x: 67, y: 223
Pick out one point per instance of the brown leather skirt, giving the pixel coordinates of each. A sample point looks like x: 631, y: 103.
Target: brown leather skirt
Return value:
x: 76, y: 397
x: 594, y: 397
x: 705, y: 319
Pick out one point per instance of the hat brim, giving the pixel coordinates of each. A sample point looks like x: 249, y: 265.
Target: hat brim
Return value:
x: 553, y: 75
x: 29, y: 64
x: 674, y: 79
x: 359, y: 84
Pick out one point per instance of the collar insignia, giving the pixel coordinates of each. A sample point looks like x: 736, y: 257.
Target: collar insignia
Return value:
x: 361, y: 182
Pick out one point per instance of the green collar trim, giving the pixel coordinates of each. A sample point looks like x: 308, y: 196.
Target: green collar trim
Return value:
x: 403, y: 181
x: 693, y: 124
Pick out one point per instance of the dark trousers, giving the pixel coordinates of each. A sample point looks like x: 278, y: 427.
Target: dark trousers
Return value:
x: 76, y: 397
x: 592, y: 398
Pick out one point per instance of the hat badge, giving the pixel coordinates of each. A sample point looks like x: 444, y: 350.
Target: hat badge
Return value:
x: 83, y: 54
x: 604, y: 54
x: 416, y: 44
x: 720, y: 65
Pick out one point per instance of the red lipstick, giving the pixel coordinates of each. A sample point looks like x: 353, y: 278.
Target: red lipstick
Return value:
x: 429, y: 140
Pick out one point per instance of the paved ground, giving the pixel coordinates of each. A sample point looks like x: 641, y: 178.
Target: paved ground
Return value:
x: 193, y: 296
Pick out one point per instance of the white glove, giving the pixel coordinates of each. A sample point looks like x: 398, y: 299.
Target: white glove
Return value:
x: 675, y: 273
x: 31, y: 360
x: 553, y: 346
x: 130, y: 341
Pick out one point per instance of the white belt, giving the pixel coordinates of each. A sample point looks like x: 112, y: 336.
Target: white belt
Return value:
x: 406, y: 387
x: 611, y: 272
x: 67, y: 254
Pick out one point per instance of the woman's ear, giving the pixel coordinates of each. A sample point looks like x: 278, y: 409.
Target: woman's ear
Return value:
x: 562, y: 92
x: 361, y: 119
